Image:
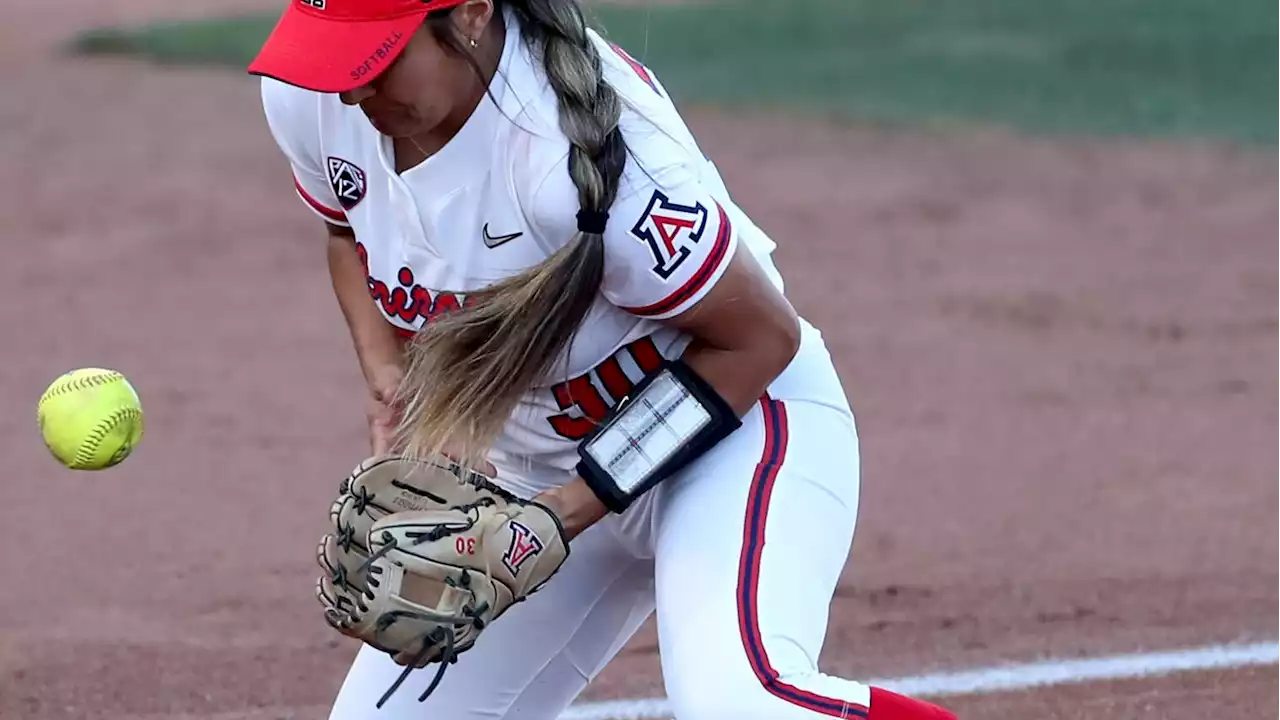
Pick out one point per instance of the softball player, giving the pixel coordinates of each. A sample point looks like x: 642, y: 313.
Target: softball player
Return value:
x: 523, y: 201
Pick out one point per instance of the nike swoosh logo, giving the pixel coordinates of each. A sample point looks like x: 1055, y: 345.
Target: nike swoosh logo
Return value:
x: 492, y: 241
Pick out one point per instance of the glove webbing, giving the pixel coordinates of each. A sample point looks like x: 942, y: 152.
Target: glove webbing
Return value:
x: 429, y: 640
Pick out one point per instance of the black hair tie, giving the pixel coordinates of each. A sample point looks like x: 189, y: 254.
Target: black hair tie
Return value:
x: 592, y: 221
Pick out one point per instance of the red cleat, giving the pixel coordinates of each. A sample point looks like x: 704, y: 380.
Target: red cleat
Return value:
x: 887, y: 705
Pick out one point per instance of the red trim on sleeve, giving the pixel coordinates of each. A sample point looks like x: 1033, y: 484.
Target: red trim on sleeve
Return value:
x: 700, y: 277
x: 335, y: 215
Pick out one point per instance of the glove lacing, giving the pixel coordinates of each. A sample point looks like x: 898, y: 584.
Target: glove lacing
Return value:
x: 467, y: 615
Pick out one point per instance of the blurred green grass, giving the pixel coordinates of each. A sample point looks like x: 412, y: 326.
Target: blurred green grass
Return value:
x: 230, y: 41
x: 1202, y: 68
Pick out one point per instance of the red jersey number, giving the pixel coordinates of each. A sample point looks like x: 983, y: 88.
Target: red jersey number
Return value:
x: 584, y: 395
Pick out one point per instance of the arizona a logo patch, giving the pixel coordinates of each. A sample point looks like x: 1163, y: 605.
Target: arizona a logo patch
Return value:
x: 524, y: 545
x: 347, y: 182
x: 670, y: 229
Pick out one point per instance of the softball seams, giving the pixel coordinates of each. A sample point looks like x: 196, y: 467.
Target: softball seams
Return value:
x: 87, y: 449
x: 82, y: 383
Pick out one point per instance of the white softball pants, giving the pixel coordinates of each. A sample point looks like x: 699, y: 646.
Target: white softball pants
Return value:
x: 739, y: 554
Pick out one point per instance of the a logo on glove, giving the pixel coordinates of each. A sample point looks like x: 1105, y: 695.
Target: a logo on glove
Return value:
x: 524, y: 545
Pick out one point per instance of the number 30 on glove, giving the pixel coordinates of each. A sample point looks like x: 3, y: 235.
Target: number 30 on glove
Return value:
x: 426, y: 554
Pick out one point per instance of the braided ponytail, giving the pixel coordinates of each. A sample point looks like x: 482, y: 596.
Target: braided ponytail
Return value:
x: 467, y: 369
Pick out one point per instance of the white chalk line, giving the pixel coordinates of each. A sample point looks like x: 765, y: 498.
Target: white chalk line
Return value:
x: 1020, y: 676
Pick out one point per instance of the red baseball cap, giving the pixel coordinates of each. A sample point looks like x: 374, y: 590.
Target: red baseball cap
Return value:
x: 338, y: 45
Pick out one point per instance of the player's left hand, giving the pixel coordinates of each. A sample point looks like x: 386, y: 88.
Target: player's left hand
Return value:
x: 426, y: 554
x: 575, y: 504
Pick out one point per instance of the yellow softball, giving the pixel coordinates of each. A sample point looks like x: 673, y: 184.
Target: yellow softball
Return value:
x: 90, y: 418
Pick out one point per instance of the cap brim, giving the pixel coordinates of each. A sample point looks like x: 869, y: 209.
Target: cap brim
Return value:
x: 331, y: 56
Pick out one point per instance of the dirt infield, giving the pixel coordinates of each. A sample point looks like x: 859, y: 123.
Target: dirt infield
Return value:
x: 1062, y: 356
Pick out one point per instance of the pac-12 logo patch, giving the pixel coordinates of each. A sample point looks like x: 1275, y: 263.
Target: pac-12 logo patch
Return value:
x: 347, y: 181
x: 670, y: 229
x: 524, y: 545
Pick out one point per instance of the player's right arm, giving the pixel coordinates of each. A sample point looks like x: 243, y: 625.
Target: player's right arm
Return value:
x: 378, y: 347
x: 293, y: 120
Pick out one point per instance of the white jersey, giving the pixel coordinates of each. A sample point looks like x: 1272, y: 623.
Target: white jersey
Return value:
x: 498, y: 199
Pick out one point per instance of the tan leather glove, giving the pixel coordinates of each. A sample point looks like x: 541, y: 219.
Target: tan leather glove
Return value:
x: 426, y: 555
